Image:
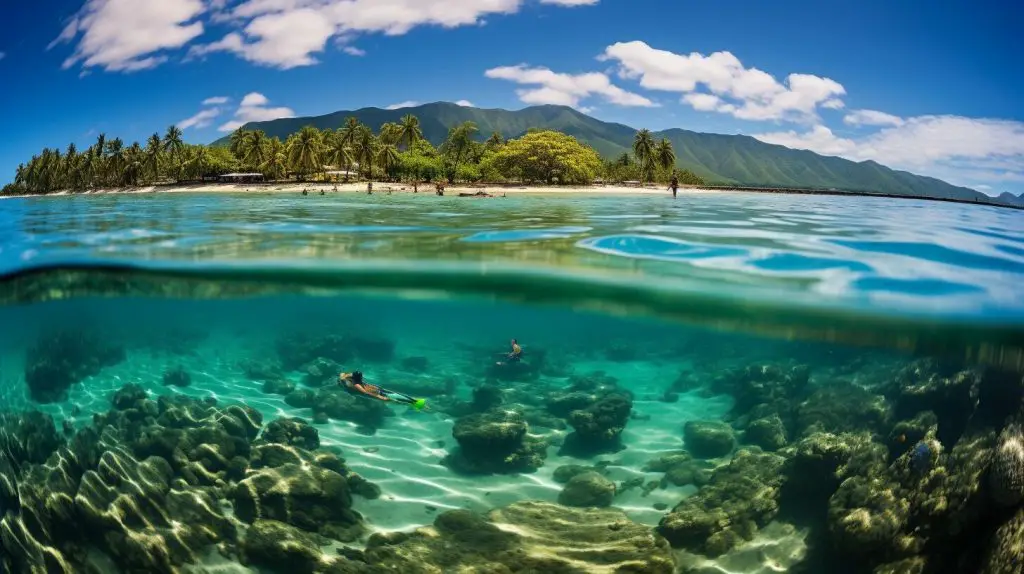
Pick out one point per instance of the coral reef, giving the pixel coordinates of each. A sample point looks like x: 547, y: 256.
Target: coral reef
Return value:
x: 587, y: 489
x: 141, y: 487
x: 769, y: 433
x: 708, y: 439
x: 597, y: 428
x: 495, y: 442
x: 738, y: 499
x: 61, y: 359
x: 526, y: 537
x: 1007, y: 474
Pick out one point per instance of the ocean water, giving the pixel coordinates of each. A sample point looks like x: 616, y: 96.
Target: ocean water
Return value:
x: 721, y: 383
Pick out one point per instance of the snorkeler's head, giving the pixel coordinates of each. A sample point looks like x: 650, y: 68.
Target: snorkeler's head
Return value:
x: 514, y: 342
x: 357, y: 377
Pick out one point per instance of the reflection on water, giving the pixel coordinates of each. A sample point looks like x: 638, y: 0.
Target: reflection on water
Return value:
x: 721, y: 384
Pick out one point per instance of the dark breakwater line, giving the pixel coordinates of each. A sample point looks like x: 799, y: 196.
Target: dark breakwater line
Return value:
x: 797, y: 191
x: 989, y: 341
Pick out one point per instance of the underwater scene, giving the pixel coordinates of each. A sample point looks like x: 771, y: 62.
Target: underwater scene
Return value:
x: 724, y: 384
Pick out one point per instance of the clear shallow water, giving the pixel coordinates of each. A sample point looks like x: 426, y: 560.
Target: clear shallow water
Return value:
x: 703, y: 309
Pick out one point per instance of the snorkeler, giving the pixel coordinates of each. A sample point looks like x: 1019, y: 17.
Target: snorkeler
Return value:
x: 354, y: 381
x: 514, y: 355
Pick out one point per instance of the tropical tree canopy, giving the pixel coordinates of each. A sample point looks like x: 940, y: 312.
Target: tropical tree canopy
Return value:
x: 396, y: 152
x: 547, y: 157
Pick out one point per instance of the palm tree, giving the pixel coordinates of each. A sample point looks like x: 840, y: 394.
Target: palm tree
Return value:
x: 664, y: 154
x: 117, y: 160
x: 390, y: 133
x: 643, y: 149
x: 458, y: 147
x: 337, y: 152
x: 252, y: 149
x: 304, y: 151
x: 366, y: 149
x: 276, y: 164
x: 173, y: 144
x: 387, y: 157
x: 409, y: 131
x: 237, y: 137
x: 134, y: 165
x: 347, y: 135
x: 495, y: 141
x: 153, y: 155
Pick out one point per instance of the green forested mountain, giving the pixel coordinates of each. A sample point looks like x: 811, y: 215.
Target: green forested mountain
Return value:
x: 725, y: 159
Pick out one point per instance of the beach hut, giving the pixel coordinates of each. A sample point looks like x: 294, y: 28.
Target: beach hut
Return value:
x: 241, y: 178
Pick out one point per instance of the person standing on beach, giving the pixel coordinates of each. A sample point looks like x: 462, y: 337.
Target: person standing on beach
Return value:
x: 674, y: 186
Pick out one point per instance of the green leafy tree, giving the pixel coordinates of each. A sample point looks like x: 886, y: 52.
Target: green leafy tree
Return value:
x: 366, y: 150
x: 276, y: 164
x: 665, y: 155
x: 547, y: 157
x: 388, y: 158
x: 173, y: 145
x: 153, y: 152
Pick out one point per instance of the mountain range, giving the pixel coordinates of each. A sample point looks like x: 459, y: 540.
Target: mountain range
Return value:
x: 718, y: 158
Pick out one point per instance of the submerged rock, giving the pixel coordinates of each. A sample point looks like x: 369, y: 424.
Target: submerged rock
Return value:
x: 1005, y: 554
x: 292, y: 432
x: 588, y: 489
x: 339, y: 404
x: 769, y: 433
x: 495, y: 442
x: 526, y: 537
x: 740, y: 497
x: 59, y: 360
x: 598, y: 428
x: 838, y: 407
x: 708, y: 439
x: 566, y: 472
x: 1007, y: 475
x: 177, y: 377
x: 312, y: 498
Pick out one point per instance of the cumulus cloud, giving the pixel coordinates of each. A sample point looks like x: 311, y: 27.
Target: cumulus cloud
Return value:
x: 963, y: 150
x: 720, y: 82
x: 400, y: 105
x: 872, y: 118
x: 216, y: 101
x: 127, y: 35
x: 565, y: 89
x: 255, y: 107
x: 202, y: 119
x: 291, y: 33
x: 464, y: 103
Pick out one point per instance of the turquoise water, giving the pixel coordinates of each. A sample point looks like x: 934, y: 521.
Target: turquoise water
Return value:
x: 764, y: 382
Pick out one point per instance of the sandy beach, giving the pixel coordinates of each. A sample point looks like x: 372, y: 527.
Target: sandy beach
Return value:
x: 383, y: 187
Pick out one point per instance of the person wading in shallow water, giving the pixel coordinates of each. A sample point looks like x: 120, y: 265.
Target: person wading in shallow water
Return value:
x: 674, y: 186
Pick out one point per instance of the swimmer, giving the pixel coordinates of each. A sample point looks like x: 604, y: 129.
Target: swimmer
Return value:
x: 514, y: 355
x: 354, y: 381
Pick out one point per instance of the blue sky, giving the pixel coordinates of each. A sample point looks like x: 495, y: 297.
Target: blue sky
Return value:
x: 933, y: 90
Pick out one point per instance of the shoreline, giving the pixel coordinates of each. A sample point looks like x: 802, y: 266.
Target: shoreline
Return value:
x: 496, y: 190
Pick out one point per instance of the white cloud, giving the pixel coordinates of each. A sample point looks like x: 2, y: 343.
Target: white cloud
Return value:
x: 965, y: 151
x: 400, y: 105
x: 202, y: 119
x: 464, y: 103
x: 128, y: 35
x: 255, y: 108
x: 565, y: 89
x: 872, y: 118
x: 353, y: 51
x: 290, y: 33
x: 216, y: 101
x: 745, y: 93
